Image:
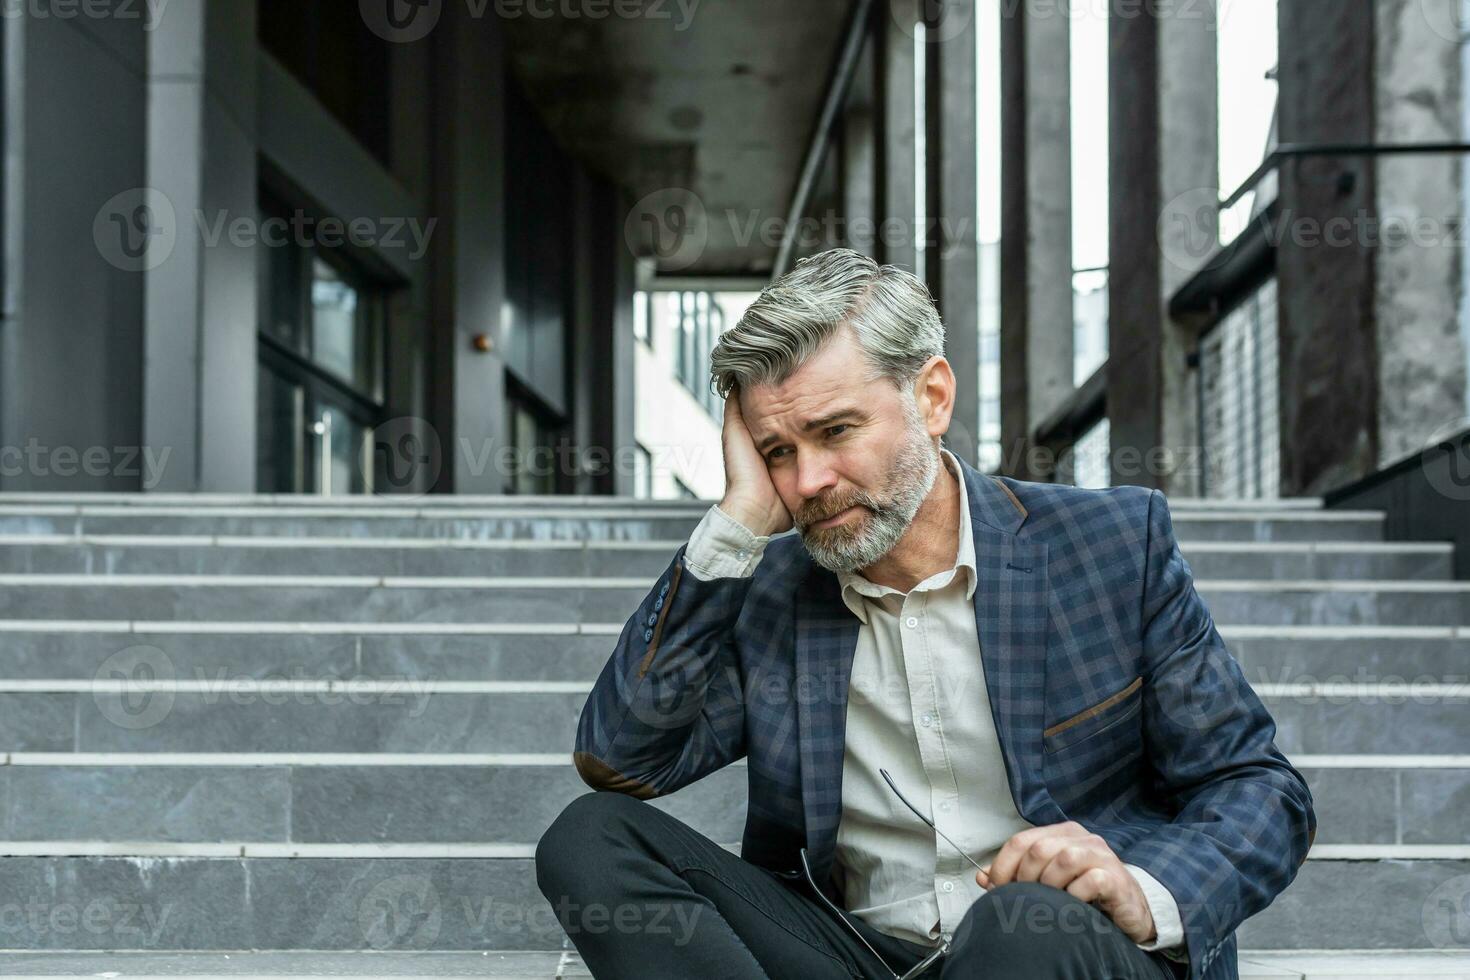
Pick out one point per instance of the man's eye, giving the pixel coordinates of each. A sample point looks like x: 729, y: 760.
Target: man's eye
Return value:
x: 833, y: 430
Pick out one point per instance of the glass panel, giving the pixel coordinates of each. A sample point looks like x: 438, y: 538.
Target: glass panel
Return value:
x: 1240, y: 425
x: 1090, y: 466
x: 281, y: 312
x: 1247, y: 51
x: 336, y: 337
x: 279, y: 433
x: 1089, y: 323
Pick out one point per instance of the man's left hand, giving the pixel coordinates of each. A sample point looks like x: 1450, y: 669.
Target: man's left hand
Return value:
x: 1069, y: 857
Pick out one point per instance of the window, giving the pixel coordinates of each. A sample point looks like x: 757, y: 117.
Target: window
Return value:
x: 320, y: 339
x: 1239, y: 405
x: 532, y: 429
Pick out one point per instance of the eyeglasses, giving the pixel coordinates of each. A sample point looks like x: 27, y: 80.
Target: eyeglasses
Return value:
x: 914, y: 971
x: 928, y: 960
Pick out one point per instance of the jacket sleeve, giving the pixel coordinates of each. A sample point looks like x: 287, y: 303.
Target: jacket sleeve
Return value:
x: 667, y: 708
x: 1243, y: 819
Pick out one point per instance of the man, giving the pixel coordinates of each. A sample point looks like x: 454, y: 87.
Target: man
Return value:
x: 990, y: 728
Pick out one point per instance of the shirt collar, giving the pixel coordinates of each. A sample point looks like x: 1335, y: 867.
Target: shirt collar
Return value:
x: 855, y: 586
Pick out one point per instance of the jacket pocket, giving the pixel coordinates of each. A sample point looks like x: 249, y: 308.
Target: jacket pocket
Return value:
x: 1116, y: 709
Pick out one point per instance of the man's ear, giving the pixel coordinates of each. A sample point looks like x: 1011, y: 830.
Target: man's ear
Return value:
x: 934, y: 393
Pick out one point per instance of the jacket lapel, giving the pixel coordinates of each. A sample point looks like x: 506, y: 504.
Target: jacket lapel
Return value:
x: 1011, y: 621
x: 826, y: 639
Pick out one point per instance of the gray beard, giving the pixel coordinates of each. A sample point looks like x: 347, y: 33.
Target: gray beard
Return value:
x: 865, y: 540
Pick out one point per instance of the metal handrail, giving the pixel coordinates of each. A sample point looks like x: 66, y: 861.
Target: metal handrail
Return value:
x: 1292, y: 150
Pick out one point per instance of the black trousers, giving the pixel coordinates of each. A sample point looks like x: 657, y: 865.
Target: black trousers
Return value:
x: 643, y: 896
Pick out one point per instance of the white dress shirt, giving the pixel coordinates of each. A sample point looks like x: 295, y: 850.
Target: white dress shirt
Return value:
x: 918, y: 707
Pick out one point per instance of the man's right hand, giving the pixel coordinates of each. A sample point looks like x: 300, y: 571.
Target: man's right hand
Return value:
x: 750, y: 496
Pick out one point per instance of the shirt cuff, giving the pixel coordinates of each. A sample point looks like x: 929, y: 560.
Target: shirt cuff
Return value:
x: 722, y: 547
x: 1164, y: 909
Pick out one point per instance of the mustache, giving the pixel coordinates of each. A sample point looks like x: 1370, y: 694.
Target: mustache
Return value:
x: 815, y: 515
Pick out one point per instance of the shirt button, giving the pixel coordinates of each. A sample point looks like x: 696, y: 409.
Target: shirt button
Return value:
x: 944, y: 806
x: 911, y: 622
x: 948, y: 886
x: 742, y: 555
x: 927, y: 720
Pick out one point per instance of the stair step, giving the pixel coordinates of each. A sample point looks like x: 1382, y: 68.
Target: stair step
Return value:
x: 575, y: 524
x: 479, y: 903
x: 49, y: 649
x: 431, y: 716
x: 259, y: 555
x: 604, y: 599
x: 307, y: 965
x: 501, y: 799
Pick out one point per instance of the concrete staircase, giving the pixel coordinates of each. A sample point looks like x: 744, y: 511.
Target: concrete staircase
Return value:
x: 335, y: 729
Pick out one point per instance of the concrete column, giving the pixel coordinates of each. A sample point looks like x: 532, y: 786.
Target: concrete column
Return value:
x: 1328, y: 330
x: 199, y: 346
x: 897, y: 130
x: 859, y: 174
x: 953, y: 260
x: 75, y: 104
x: 1163, y: 163
x: 1036, y: 225
x: 468, y: 291
x: 1419, y: 294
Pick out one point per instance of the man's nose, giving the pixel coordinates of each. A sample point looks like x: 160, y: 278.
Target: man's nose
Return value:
x: 814, y: 475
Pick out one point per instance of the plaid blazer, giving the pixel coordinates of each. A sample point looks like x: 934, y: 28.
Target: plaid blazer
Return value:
x: 1115, y: 700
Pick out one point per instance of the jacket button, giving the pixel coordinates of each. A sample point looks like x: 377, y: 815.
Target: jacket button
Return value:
x: 663, y: 589
x: 648, y: 634
x: 652, y: 619
x: 658, y: 603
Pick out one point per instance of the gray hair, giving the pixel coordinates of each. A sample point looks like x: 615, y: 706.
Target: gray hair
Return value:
x: 891, y: 311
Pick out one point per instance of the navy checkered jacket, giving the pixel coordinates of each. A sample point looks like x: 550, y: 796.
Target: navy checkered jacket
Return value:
x: 1116, y: 702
